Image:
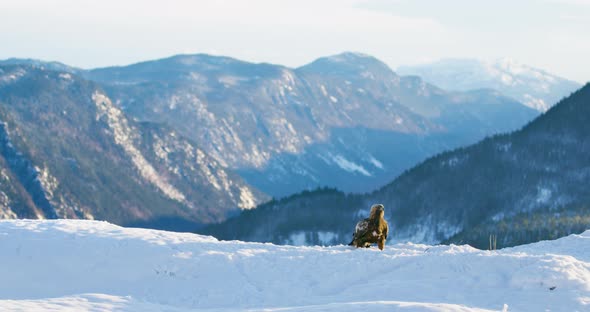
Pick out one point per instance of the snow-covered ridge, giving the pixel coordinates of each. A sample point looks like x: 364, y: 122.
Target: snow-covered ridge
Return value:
x: 535, y: 88
x: 90, y: 265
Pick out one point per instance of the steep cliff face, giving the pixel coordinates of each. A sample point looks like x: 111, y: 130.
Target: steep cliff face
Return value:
x: 346, y: 121
x: 69, y: 152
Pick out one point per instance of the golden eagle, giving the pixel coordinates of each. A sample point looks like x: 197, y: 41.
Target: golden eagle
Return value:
x: 371, y: 230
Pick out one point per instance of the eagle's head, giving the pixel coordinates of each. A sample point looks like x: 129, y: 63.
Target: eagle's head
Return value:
x: 377, y: 211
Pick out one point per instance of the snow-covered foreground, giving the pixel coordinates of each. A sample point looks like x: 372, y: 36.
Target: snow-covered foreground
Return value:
x: 69, y: 265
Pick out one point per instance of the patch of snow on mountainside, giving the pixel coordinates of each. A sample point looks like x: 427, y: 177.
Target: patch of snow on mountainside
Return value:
x: 80, y: 265
x: 543, y: 195
x: 375, y: 162
x: 324, y: 92
x: 5, y: 210
x: 349, y: 165
x: 48, y: 182
x: 12, y: 76
x: 65, y: 76
x: 247, y: 199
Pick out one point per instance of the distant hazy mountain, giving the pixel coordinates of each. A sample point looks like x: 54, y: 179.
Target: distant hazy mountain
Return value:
x: 533, y: 87
x: 346, y: 121
x: 39, y: 64
x: 523, y: 186
x: 67, y: 151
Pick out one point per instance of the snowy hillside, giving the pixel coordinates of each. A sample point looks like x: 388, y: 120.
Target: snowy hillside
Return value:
x: 68, y: 265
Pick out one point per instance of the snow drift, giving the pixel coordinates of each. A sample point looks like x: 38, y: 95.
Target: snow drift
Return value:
x: 96, y: 266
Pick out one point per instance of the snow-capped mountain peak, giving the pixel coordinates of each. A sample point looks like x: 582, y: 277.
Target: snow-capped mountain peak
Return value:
x: 531, y: 86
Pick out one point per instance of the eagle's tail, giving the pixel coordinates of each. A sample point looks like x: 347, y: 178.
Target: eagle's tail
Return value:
x: 351, y: 242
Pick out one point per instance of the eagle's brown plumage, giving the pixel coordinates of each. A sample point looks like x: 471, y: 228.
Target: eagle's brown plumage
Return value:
x: 371, y: 230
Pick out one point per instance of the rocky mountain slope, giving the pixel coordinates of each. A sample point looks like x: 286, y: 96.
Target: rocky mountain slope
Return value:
x: 521, y: 186
x: 67, y: 151
x: 533, y: 87
x: 346, y: 121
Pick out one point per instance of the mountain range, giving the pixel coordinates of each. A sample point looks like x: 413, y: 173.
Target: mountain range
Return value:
x: 194, y: 139
x: 531, y: 86
x: 66, y: 151
x: 346, y: 121
x: 521, y: 186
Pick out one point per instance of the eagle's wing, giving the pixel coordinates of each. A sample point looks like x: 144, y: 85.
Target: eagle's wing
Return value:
x: 362, y: 227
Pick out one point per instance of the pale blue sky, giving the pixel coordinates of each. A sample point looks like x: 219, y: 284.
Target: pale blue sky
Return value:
x: 549, y: 34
